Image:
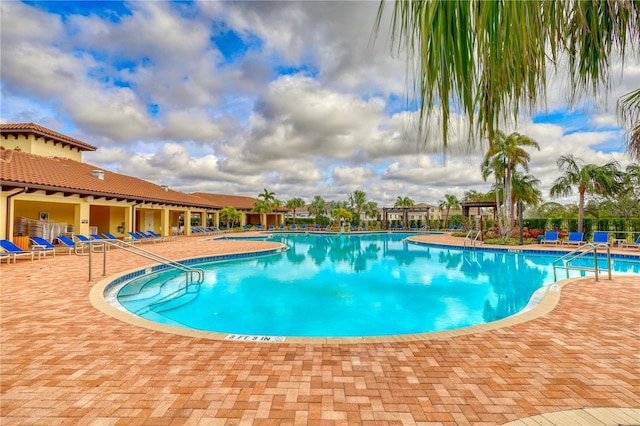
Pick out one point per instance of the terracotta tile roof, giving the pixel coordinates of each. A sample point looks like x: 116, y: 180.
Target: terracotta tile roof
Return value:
x: 237, y: 201
x: 22, y: 169
x: 30, y: 128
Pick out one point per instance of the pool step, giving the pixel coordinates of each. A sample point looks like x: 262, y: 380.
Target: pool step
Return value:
x: 154, y: 289
x: 177, y: 300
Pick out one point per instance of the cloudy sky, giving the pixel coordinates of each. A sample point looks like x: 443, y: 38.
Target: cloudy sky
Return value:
x: 233, y: 97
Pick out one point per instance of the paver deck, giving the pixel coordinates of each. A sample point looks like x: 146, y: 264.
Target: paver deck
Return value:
x: 65, y: 362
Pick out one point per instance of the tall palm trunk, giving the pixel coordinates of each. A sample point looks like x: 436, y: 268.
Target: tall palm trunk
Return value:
x: 581, y: 209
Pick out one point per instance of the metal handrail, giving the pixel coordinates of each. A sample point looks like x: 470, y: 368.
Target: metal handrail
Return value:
x: 129, y: 247
x: 580, y: 252
x: 472, y: 241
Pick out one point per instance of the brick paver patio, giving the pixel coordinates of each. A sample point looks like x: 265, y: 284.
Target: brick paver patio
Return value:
x: 65, y: 362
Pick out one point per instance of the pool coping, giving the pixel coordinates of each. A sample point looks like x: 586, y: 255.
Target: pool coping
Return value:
x: 543, y: 301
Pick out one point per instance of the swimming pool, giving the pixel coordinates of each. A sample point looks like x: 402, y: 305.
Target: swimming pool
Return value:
x: 346, y: 285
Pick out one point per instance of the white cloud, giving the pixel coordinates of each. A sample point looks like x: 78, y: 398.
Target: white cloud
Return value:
x: 163, y: 103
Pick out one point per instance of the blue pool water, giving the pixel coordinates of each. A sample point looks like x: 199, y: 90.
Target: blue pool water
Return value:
x: 347, y: 285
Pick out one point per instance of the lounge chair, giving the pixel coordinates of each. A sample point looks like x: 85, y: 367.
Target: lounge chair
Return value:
x: 69, y: 244
x: 282, y: 227
x: 317, y: 227
x: 550, y: 237
x: 574, y: 238
x: 304, y: 227
x: 245, y: 227
x: 272, y: 228
x: 45, y: 246
x: 148, y: 237
x: 400, y: 227
x: 363, y: 228
x: 451, y: 228
x: 82, y: 238
x: 14, y: 251
x: 294, y: 227
x: 601, y: 237
x: 635, y: 244
x: 393, y: 227
x: 135, y: 237
x: 259, y: 227
x: 161, y: 238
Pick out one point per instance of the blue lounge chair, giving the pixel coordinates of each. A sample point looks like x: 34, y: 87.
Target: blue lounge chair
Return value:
x: 259, y: 227
x: 147, y: 237
x: 451, y: 228
x: 136, y: 237
x: 636, y: 244
x: 393, y: 227
x: 304, y: 227
x: 294, y: 227
x: 69, y: 244
x: 45, y: 246
x: 282, y: 227
x: 601, y: 237
x: 272, y: 228
x: 14, y: 251
x: 326, y: 228
x: 363, y: 228
x: 317, y: 227
x: 400, y: 227
x: 550, y: 237
x: 161, y: 238
x: 82, y: 238
x: 574, y: 238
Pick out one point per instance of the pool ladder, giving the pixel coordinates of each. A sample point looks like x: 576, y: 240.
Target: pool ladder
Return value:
x: 472, y: 238
x: 97, y: 246
x: 564, y: 262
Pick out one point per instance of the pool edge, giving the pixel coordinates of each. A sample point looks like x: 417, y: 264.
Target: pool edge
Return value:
x: 547, y: 303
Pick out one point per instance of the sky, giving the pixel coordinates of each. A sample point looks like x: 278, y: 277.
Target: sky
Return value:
x: 300, y: 98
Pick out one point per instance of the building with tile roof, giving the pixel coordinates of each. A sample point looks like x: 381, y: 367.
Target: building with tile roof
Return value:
x: 47, y: 189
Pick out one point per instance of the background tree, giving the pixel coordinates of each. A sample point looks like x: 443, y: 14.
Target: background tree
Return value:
x: 404, y: 202
x: 358, y: 199
x: 589, y: 179
x: 525, y: 190
x: 370, y: 209
x: 504, y: 156
x: 629, y: 116
x: 267, y: 196
x: 341, y: 213
x: 449, y: 202
x: 230, y: 215
x: 486, y: 59
x: 318, y: 207
x: 293, y: 204
x: 262, y: 207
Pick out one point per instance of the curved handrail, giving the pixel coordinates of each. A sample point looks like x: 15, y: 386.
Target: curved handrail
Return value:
x: 580, y: 252
x: 147, y: 254
x: 472, y: 241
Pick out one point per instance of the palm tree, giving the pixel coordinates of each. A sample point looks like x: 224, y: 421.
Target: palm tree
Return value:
x: 629, y: 115
x: 404, y: 202
x: 268, y: 197
x: 295, y: 203
x: 230, y: 215
x: 486, y: 59
x: 262, y: 207
x: 504, y: 155
x: 589, y: 179
x: 525, y: 191
x: 449, y: 202
x: 370, y: 209
x: 358, y: 199
x: 342, y: 213
x: 318, y: 207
